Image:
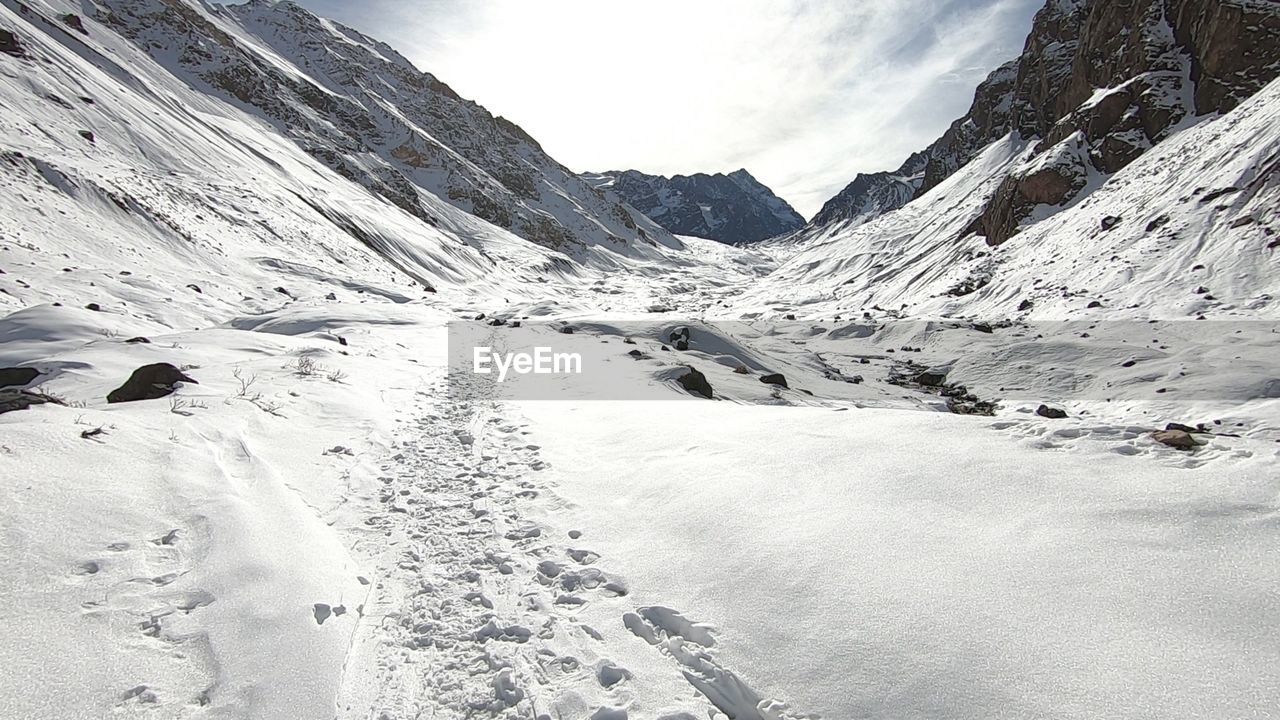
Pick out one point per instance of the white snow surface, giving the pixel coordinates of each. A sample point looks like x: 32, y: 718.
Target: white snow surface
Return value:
x: 324, y: 525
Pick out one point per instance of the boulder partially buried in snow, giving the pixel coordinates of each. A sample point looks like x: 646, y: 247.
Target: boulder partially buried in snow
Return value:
x: 11, y: 400
x: 17, y: 376
x: 148, y: 383
x: 1179, y: 439
x: 695, y: 383
x: 680, y: 338
x: 932, y: 377
x: 1053, y: 413
x: 774, y: 379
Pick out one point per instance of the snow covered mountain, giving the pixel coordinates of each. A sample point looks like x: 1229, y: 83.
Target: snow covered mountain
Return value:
x: 894, y: 484
x: 734, y: 208
x: 1098, y: 84
x: 366, y: 112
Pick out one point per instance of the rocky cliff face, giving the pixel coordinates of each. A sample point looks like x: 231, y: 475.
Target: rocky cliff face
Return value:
x: 1098, y: 84
x: 734, y: 208
x: 368, y: 113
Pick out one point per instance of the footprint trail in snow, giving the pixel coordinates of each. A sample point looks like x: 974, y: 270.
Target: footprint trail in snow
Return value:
x: 471, y: 612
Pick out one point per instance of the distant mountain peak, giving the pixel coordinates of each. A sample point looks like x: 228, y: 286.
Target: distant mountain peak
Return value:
x: 732, y: 208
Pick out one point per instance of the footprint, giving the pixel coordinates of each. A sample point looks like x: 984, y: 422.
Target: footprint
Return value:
x: 168, y: 538
x: 89, y: 567
x: 142, y: 693
x: 609, y: 674
x: 584, y: 557
x: 650, y: 623
x: 524, y: 533
x: 195, y: 599
x: 510, y: 633
x: 158, y: 581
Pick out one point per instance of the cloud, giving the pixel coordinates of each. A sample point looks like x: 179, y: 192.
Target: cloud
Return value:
x: 803, y: 93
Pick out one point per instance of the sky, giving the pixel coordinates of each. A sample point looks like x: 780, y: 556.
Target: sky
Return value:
x: 804, y: 94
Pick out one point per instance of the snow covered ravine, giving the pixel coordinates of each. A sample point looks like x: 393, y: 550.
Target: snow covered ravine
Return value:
x: 928, y: 481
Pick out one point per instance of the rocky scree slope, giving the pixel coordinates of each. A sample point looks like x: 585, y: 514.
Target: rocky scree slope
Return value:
x: 1097, y: 85
x: 734, y: 208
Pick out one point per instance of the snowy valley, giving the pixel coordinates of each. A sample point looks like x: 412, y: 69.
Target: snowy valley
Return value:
x: 994, y: 435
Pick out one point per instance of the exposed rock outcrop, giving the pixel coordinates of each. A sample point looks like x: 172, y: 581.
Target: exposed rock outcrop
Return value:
x: 10, y: 44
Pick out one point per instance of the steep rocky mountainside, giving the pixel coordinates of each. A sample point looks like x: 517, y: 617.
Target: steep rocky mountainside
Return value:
x: 117, y: 149
x: 1097, y: 85
x: 734, y: 208
x: 1188, y: 230
x: 365, y: 111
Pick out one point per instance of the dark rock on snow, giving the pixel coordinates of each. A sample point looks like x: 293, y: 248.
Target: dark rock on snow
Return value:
x: 931, y: 378
x: 774, y: 379
x: 1052, y: 413
x: 10, y: 44
x: 73, y: 21
x: 17, y: 376
x: 1180, y: 439
x: 148, y: 383
x: 11, y: 400
x: 695, y: 383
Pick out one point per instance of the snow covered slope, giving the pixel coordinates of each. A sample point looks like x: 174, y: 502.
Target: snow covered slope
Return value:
x: 361, y: 108
x: 328, y: 523
x: 1188, y: 229
x: 734, y: 208
x: 1098, y: 84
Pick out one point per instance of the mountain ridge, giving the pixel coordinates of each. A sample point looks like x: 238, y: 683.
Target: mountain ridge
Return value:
x: 733, y: 208
x: 360, y: 107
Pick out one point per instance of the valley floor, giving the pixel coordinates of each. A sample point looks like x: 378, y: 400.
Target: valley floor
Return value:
x: 370, y: 537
